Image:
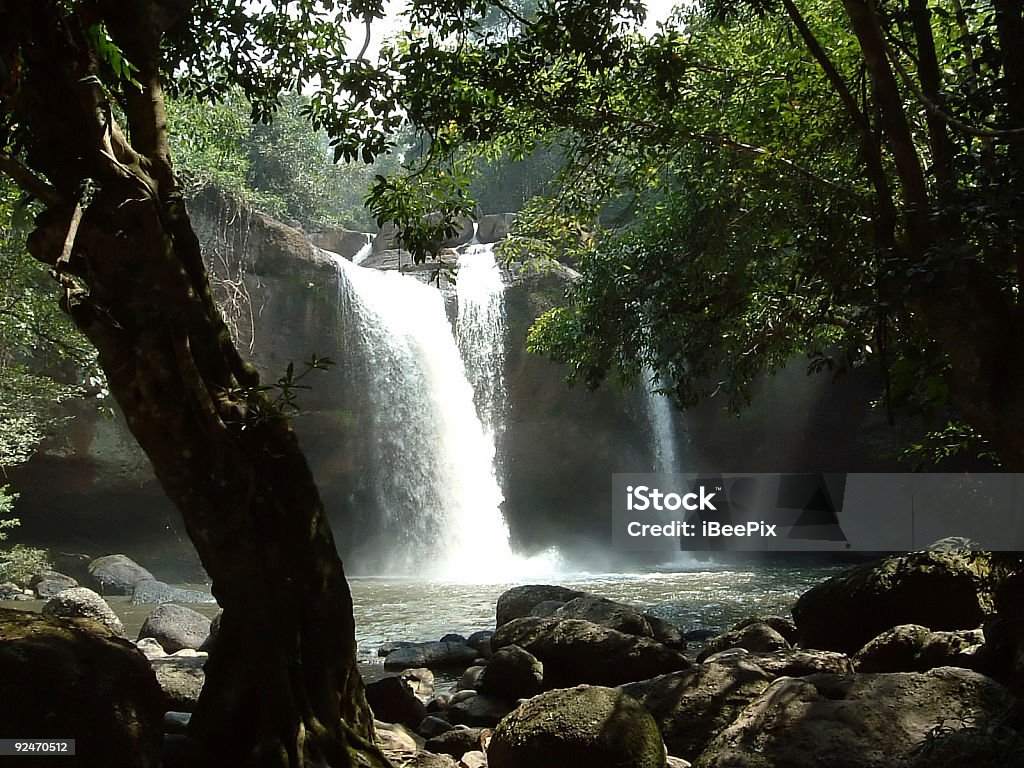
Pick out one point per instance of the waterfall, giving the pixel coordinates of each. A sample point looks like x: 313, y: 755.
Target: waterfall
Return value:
x: 431, y: 477
x: 660, y: 413
x: 480, y: 331
x: 360, y: 256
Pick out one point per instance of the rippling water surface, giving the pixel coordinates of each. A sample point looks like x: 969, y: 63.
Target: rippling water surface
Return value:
x: 708, y: 597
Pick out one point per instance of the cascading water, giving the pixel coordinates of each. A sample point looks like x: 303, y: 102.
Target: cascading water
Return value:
x: 432, y: 477
x: 663, y: 426
x: 480, y: 331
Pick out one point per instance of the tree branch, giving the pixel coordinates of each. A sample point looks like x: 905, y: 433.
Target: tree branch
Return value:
x: 934, y: 110
x: 39, y: 188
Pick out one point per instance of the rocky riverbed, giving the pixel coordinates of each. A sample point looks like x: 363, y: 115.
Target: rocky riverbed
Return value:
x: 912, y: 661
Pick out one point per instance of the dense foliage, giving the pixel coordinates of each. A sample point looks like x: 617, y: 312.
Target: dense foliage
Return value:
x: 825, y: 177
x: 43, y: 361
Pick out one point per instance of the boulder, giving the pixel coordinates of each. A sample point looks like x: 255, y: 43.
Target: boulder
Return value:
x: 480, y: 639
x: 481, y: 642
x: 453, y: 637
x: 480, y: 710
x: 49, y: 587
x: 666, y: 633
x: 11, y: 591
x: 470, y: 678
x: 428, y: 760
x: 384, y: 649
x: 455, y: 742
x: 699, y: 635
x: 117, y: 574
x: 81, y: 602
x: 176, y: 627
x: 752, y: 637
x: 784, y: 626
x: 514, y: 673
x: 154, y: 591
x: 181, y: 679
x: 607, y: 613
x: 519, y: 601
x: 394, y: 737
x: 439, y: 702
x: 938, y: 590
x: 798, y: 662
x: 176, y: 722
x: 431, y: 727
x: 694, y: 706
x: 387, y: 238
x: 575, y: 651
x: 474, y: 759
x: 856, y: 721
x: 393, y: 700
x: 344, y: 242
x: 75, y: 679
x: 275, y: 248
x: 211, y: 640
x: 913, y: 648
x: 433, y: 655
x: 585, y: 726
x: 150, y: 648
x: 421, y: 680
x: 46, y: 584
x: 493, y: 227
x: 547, y: 608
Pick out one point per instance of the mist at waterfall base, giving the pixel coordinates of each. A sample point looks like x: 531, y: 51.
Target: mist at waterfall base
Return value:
x: 432, y: 484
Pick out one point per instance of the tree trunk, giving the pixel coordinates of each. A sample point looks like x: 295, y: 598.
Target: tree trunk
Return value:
x: 958, y: 300
x: 282, y: 685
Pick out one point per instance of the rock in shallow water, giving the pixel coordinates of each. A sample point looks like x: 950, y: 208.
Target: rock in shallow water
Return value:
x: 81, y: 602
x: 117, y: 574
x: 519, y: 601
x: 176, y: 627
x: 433, y: 655
x: 154, y: 591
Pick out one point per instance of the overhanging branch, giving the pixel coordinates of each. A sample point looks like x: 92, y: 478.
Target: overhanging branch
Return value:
x: 28, y: 181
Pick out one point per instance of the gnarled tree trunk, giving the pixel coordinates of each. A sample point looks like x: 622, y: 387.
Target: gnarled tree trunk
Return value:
x: 282, y: 686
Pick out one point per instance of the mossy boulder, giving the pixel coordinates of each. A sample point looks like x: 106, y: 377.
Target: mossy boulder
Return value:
x: 938, y: 590
x: 574, y: 651
x: 913, y: 648
x: 587, y: 726
x: 75, y: 679
x: 519, y: 601
x: 887, y: 720
x: 694, y: 706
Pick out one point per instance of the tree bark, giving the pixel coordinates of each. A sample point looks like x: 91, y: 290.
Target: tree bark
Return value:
x: 282, y: 686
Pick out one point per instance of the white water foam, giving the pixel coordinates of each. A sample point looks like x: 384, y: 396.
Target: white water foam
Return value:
x: 433, y: 475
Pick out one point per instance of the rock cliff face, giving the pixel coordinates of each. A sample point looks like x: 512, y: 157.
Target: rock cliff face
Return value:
x: 91, y: 489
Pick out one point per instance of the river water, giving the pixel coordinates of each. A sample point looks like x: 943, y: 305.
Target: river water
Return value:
x: 700, y: 597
